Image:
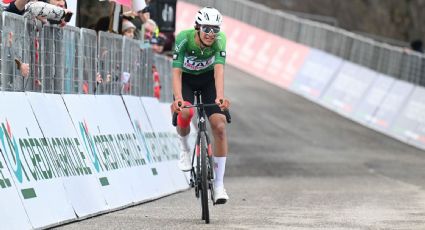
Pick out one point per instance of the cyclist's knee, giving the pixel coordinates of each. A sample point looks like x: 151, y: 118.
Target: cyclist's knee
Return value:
x: 219, y: 129
x: 184, y: 118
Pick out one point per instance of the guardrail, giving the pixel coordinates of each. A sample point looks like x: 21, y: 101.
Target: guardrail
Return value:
x: 390, y: 60
x: 71, y: 60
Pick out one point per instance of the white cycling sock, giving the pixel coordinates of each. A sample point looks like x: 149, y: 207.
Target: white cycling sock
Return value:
x: 220, y: 166
x: 184, y: 143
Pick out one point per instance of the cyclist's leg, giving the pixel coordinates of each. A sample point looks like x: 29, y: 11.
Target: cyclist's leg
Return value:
x: 216, y: 117
x: 184, y: 118
x: 218, y: 126
x: 183, y: 126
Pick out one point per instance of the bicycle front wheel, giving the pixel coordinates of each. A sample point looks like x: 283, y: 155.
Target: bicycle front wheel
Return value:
x: 204, y: 179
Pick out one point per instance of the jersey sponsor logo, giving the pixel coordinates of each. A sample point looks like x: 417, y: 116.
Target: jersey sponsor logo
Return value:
x: 190, y: 63
x: 175, y: 56
x: 223, y: 53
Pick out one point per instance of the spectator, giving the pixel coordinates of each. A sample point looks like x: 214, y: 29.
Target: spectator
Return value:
x: 157, y: 43
x: 128, y: 28
x: 417, y: 45
x: 52, y: 11
x: 14, y: 53
x: 150, y: 29
x: 17, y: 7
x: 145, y: 14
x: 102, y: 24
x: 40, y: 10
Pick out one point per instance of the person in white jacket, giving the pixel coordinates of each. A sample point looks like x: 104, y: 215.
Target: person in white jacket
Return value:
x: 53, y: 11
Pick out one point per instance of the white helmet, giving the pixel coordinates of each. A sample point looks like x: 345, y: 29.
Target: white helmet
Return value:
x: 208, y: 16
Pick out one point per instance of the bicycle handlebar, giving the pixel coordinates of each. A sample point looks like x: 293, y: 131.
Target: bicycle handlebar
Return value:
x: 226, y: 113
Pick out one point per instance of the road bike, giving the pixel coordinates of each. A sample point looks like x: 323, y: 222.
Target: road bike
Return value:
x: 202, y: 174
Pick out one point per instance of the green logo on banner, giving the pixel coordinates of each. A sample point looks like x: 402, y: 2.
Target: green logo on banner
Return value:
x: 139, y: 132
x: 11, y: 151
x: 42, y: 158
x: 89, y: 144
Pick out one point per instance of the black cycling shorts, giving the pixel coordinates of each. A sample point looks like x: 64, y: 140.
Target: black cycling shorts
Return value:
x: 205, y: 83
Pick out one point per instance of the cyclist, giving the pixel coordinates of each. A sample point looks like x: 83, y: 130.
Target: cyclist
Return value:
x: 198, y: 64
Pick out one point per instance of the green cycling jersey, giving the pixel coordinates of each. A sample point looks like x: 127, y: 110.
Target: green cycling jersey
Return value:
x: 192, y: 59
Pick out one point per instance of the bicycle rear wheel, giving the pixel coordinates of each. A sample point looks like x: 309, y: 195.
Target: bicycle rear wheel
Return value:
x: 204, y: 180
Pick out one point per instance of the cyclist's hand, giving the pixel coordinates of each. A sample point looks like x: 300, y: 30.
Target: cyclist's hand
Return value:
x: 177, y: 106
x: 223, y: 103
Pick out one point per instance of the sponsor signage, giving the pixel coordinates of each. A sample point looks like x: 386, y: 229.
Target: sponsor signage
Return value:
x: 348, y: 88
x: 165, y: 139
x: 316, y: 73
x: 391, y: 106
x: 37, y: 164
x: 51, y: 113
x: 375, y: 96
x: 410, y: 124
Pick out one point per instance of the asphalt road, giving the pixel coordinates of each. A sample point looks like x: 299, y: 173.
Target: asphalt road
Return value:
x: 294, y: 165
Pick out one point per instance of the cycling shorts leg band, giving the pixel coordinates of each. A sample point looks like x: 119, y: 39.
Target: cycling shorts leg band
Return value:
x: 184, y: 123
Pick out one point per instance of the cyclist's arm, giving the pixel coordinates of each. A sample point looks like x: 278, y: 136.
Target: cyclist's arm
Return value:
x: 220, y: 61
x: 177, y: 83
x: 178, y: 58
x: 219, y: 80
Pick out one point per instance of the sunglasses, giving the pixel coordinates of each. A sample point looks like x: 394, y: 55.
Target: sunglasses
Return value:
x: 210, y: 29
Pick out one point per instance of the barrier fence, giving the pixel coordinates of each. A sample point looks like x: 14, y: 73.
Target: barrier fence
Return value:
x: 71, y: 60
x: 390, y: 60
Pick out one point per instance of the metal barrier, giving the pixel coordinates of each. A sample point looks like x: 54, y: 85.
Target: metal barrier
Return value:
x: 14, y: 43
x: 394, y: 61
x: 164, y: 68
x: 88, y: 62
x: 109, y: 63
x: 59, y: 55
x: 73, y: 60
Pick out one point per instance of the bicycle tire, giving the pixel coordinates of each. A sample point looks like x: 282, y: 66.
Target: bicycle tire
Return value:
x: 204, y: 179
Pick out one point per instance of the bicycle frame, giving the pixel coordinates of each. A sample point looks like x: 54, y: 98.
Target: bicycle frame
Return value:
x: 202, y: 175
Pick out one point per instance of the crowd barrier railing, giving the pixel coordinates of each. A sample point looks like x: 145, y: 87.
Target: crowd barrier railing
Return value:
x: 71, y: 60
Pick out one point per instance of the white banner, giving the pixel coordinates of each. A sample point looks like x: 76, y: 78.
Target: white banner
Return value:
x: 82, y: 189
x: 153, y: 184
x: 348, y: 88
x: 171, y: 133
x: 391, y: 106
x: 160, y: 127
x: 37, y: 171
x: 12, y: 212
x: 103, y: 138
x: 410, y: 124
x: 315, y: 74
x: 375, y: 96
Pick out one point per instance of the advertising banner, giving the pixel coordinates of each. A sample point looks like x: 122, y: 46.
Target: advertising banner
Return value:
x: 141, y: 175
x: 410, y: 124
x: 12, y: 212
x: 35, y: 169
x: 111, y: 149
x: 348, y: 88
x: 161, y: 130
x: 170, y: 132
x: 160, y: 181
x: 365, y: 111
x: 391, y: 106
x: 263, y: 54
x: 315, y: 74
x: 83, y: 190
